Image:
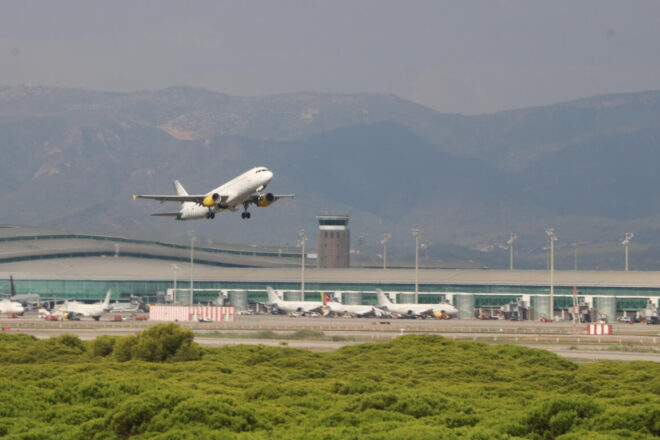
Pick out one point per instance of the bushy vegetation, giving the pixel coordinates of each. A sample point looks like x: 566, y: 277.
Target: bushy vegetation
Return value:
x: 159, y: 384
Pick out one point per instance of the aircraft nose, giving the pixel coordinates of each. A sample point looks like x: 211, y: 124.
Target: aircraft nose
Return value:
x: 269, y: 175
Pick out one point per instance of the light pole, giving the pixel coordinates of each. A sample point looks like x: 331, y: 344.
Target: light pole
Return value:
x: 512, y: 238
x: 552, y: 237
x: 386, y: 236
x: 360, y: 243
x: 415, y: 233
x: 425, y: 246
x: 575, y: 255
x: 191, y: 234
x: 626, y: 243
x: 301, y: 234
x: 174, y: 268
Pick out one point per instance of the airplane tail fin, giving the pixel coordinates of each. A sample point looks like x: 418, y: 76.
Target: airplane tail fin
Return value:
x: 273, y: 297
x: 382, y: 299
x: 106, y: 302
x: 180, y: 190
x: 13, y: 288
x: 326, y: 300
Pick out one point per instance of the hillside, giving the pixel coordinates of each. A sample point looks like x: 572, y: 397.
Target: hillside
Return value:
x: 72, y: 158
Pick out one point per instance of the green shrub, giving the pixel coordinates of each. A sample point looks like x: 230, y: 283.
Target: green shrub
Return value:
x: 123, y: 348
x: 165, y: 342
x: 558, y: 416
x: 133, y: 415
x: 71, y: 341
x: 103, y: 346
x: 412, y: 387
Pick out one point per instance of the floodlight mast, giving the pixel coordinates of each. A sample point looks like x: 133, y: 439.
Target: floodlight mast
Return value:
x: 425, y: 246
x: 512, y: 238
x: 191, y: 234
x: 626, y: 244
x: 552, y: 237
x: 174, y: 269
x: 415, y: 233
x: 303, y: 239
x: 386, y: 237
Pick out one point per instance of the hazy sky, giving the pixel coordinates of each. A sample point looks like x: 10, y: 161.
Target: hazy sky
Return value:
x: 454, y: 56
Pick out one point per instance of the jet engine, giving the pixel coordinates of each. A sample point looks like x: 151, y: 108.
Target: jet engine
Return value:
x: 265, y: 200
x: 211, y: 200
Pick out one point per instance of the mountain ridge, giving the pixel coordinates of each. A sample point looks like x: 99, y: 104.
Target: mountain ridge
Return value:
x: 72, y: 158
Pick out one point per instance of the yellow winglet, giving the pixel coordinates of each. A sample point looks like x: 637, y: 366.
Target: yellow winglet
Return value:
x: 134, y: 197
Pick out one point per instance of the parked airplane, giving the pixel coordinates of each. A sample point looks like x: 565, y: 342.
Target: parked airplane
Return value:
x: 415, y: 310
x: 357, y: 310
x: 276, y: 299
x: 28, y: 300
x: 8, y: 306
x: 123, y: 307
x: 243, y: 190
x: 92, y: 310
x: 134, y: 305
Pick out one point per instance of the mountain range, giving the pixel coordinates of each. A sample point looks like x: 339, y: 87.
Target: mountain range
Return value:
x: 72, y: 159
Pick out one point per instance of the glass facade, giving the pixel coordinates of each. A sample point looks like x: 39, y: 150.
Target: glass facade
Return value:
x: 431, y: 293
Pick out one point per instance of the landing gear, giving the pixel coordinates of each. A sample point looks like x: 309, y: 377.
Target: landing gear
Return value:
x: 245, y: 214
x: 210, y: 214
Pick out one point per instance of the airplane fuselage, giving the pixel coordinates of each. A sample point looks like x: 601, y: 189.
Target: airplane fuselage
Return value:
x: 7, y: 306
x: 415, y: 309
x: 420, y: 309
x: 358, y: 310
x: 276, y: 299
x: 297, y: 306
x: 239, y: 190
x: 91, y: 310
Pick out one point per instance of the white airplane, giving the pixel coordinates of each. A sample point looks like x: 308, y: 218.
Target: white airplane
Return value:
x: 9, y: 306
x: 360, y: 311
x: 276, y: 299
x: 415, y: 310
x: 92, y: 310
x: 242, y: 190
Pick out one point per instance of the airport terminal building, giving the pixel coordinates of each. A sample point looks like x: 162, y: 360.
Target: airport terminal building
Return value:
x: 63, y: 264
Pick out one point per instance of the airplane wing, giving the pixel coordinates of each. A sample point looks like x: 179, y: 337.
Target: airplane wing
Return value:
x: 262, y: 200
x: 199, y: 198
x: 166, y: 214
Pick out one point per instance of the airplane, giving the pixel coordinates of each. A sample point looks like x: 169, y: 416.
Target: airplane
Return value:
x: 92, y: 310
x: 123, y: 307
x: 276, y: 300
x: 243, y: 190
x: 360, y: 311
x: 28, y: 300
x: 134, y: 305
x: 415, y: 310
x: 9, y: 306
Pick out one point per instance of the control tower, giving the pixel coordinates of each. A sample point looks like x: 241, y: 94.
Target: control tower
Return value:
x: 333, y: 241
